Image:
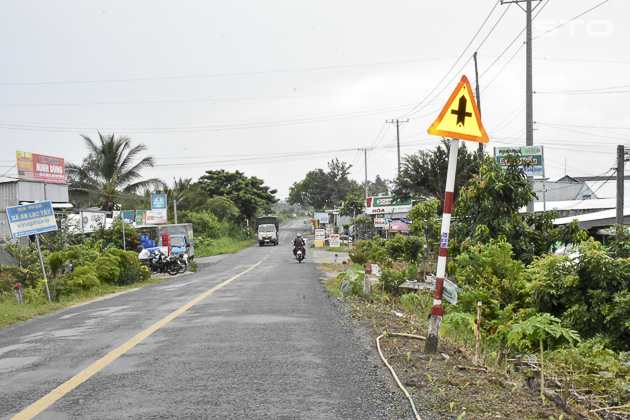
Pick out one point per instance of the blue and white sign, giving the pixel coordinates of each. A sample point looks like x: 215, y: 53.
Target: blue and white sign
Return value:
x: 444, y: 241
x: 158, y: 205
x: 30, y: 219
x: 321, y: 217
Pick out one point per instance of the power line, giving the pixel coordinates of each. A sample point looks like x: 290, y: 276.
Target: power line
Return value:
x: 144, y: 79
x: 572, y: 19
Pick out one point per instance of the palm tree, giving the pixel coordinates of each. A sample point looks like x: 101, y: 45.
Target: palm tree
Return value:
x: 109, y: 171
x: 186, y: 194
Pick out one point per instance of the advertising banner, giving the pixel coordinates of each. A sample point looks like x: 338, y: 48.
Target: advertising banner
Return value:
x: 334, y: 240
x: 34, y: 167
x: 320, y: 237
x: 533, y: 154
x: 386, y: 205
x: 158, y: 205
x: 321, y: 217
x: 30, y: 219
x: 141, y: 217
x: 128, y: 216
x: 380, y: 220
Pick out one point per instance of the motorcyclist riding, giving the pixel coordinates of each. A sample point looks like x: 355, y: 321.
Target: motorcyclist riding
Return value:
x: 299, y: 243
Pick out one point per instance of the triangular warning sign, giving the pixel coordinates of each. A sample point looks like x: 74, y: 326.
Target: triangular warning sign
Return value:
x: 460, y: 118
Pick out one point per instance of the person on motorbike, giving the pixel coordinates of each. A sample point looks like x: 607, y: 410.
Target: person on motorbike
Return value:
x: 299, y: 243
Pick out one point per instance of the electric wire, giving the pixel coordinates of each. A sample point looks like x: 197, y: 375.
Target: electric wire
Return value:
x: 417, y: 107
x: 572, y: 19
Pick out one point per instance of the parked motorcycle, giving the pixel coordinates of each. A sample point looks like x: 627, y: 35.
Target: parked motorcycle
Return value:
x: 162, y: 263
x: 182, y: 260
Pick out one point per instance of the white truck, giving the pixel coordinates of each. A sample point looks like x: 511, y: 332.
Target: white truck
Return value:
x: 267, y: 234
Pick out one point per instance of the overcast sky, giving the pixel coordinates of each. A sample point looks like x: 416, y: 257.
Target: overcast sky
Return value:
x: 278, y: 88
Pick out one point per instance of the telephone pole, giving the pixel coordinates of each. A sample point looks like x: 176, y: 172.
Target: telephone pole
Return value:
x: 480, y: 149
x: 397, y: 122
x: 529, y: 91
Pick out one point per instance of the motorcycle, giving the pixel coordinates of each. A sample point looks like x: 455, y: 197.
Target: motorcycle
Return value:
x: 162, y: 263
x: 182, y: 260
x: 299, y: 255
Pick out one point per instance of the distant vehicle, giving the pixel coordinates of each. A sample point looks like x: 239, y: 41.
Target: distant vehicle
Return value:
x: 267, y: 234
x: 268, y: 220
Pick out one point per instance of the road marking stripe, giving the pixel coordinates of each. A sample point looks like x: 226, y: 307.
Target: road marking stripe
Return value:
x: 57, y: 393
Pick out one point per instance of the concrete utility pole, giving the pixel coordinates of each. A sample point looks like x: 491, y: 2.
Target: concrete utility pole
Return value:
x: 480, y: 149
x: 397, y: 122
x: 529, y: 91
x: 620, y: 179
x: 366, y: 184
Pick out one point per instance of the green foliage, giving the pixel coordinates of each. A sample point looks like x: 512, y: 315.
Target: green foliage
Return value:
x: 222, y: 207
x: 206, y: 224
x: 369, y: 250
x: 489, y: 209
x: 108, y: 171
x: 28, y: 269
x: 392, y: 278
x: 352, y: 206
x: 107, y: 268
x: 423, y: 174
x: 425, y: 223
x: 601, y: 370
x: 321, y: 190
x: 114, y: 235
x: 83, y: 278
x: 526, y: 335
x: 589, y: 292
x: 620, y: 246
x: 249, y: 194
x: 352, y: 280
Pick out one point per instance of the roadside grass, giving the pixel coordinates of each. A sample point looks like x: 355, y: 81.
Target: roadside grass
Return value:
x: 12, y: 312
x: 332, y: 282
x: 342, y: 248
x: 223, y: 246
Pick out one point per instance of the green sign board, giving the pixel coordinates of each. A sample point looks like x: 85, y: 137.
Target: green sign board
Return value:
x: 533, y: 154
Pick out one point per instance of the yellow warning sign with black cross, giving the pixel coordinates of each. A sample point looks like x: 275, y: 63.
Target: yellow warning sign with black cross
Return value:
x: 460, y: 118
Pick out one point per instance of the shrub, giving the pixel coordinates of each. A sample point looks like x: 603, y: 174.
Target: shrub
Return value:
x: 369, y: 250
x: 107, y: 268
x: 83, y: 278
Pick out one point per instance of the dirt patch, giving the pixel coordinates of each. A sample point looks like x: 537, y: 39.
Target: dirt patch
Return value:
x: 447, y: 385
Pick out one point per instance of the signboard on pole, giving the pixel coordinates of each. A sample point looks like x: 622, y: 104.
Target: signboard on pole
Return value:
x: 141, y: 217
x: 34, y: 167
x: 334, y: 240
x: 460, y: 118
x: 533, y: 154
x: 380, y: 220
x: 321, y: 217
x: 450, y: 289
x: 320, y: 236
x: 158, y: 205
x: 29, y: 219
x: 386, y: 205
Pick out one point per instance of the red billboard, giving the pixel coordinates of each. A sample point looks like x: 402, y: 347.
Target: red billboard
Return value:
x: 34, y: 167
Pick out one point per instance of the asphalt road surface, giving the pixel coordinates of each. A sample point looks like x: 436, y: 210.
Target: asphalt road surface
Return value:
x: 249, y: 336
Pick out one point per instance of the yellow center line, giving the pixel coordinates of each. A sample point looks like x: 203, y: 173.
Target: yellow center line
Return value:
x: 57, y: 393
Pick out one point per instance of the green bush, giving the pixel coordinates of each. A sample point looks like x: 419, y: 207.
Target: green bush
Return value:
x: 83, y: 278
x: 107, y: 268
x: 369, y: 250
x: 352, y: 280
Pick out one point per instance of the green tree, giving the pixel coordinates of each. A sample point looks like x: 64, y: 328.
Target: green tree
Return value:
x: 222, y: 207
x: 490, y: 208
x: 423, y: 175
x: 249, y: 194
x: 378, y: 187
x: 353, y: 206
x: 321, y: 190
x: 110, y: 170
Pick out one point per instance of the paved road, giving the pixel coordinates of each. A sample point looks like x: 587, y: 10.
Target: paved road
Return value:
x: 251, y: 335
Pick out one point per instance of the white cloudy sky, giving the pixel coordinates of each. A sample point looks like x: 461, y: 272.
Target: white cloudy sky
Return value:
x: 277, y: 88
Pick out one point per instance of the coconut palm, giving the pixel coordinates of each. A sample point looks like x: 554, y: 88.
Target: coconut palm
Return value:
x: 110, y: 171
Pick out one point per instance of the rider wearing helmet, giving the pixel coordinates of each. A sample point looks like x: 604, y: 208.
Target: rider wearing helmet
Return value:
x: 299, y: 243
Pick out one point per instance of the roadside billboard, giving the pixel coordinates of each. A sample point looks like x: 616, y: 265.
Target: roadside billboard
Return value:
x: 158, y: 206
x: 334, y: 240
x: 380, y: 220
x: 34, y: 167
x: 321, y: 217
x: 386, y: 205
x: 86, y: 221
x: 29, y: 219
x: 533, y: 154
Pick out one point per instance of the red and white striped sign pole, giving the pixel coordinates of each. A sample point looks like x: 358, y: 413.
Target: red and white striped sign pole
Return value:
x: 437, y: 310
